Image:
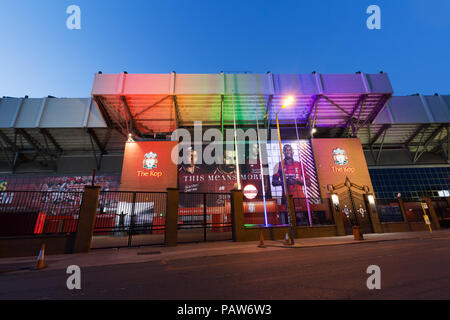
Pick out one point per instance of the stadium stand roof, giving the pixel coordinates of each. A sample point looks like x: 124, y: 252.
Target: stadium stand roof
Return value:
x: 42, y: 129
x: 417, y: 123
x: 147, y: 103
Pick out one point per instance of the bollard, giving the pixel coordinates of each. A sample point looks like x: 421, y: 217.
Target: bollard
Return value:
x: 357, y: 233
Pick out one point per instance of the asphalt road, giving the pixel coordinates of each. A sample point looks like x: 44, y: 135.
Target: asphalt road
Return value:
x: 410, y: 269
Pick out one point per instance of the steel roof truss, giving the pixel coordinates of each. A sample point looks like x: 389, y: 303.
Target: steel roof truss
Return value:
x: 40, y: 150
x: 382, y: 130
x: 177, y: 110
x: 427, y: 142
x: 351, y: 118
x: 149, y: 107
x: 46, y: 134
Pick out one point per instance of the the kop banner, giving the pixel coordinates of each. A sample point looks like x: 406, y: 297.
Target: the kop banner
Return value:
x: 339, y: 159
x: 148, y: 166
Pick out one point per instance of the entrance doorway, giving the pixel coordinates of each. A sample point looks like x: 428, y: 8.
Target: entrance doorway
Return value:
x: 354, y: 212
x: 353, y: 207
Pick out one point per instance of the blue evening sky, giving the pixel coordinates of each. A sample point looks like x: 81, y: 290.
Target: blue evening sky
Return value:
x: 39, y: 56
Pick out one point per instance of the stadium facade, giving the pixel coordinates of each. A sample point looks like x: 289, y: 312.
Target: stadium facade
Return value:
x: 338, y: 130
x: 405, y: 138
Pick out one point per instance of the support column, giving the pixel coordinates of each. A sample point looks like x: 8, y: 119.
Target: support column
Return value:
x: 171, y: 232
x: 337, y: 216
x: 373, y: 213
x: 237, y: 215
x: 402, y: 208
x: 434, y: 216
x: 86, y: 220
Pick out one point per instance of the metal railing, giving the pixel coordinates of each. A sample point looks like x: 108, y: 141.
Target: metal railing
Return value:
x: 130, y: 212
x: 414, y: 211
x: 210, y: 211
x: 319, y: 210
x: 389, y: 210
x: 274, y: 214
x: 39, y: 212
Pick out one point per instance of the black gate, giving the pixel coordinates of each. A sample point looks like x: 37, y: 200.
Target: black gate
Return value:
x: 443, y: 212
x: 204, y: 217
x: 354, y: 211
x: 126, y: 219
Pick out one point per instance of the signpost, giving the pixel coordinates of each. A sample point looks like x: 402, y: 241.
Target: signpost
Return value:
x: 425, y: 216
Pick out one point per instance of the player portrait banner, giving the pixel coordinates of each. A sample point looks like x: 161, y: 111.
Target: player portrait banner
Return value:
x: 148, y: 166
x: 338, y: 159
x: 299, y: 166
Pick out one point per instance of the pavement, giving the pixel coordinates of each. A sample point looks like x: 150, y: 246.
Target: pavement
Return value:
x: 118, y: 256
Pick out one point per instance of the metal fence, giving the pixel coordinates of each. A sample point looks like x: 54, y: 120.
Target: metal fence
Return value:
x: 130, y: 218
x: 319, y: 211
x: 276, y: 212
x: 389, y: 210
x: 271, y: 212
x: 442, y: 209
x: 38, y: 212
x: 414, y: 211
x: 204, y: 216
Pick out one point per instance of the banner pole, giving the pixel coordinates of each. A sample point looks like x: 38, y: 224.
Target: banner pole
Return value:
x: 238, y: 172
x: 261, y: 168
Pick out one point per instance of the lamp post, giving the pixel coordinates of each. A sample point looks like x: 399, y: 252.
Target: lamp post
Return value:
x: 262, y: 170
x: 287, y: 102
x: 236, y: 148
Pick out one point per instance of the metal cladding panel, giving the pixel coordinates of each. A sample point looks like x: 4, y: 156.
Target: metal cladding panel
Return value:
x: 64, y: 113
x: 247, y: 84
x: 383, y: 117
x: 343, y: 84
x: 29, y: 113
x: 446, y: 99
x: 95, y: 119
x: 438, y: 109
x: 408, y: 109
x: 295, y: 84
x: 379, y: 83
x: 8, y: 109
x: 145, y: 84
x: 105, y: 84
x: 199, y: 84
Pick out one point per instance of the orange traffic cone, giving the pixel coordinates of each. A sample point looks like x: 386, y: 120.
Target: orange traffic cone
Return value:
x: 287, y: 241
x: 41, y: 257
x: 261, y: 241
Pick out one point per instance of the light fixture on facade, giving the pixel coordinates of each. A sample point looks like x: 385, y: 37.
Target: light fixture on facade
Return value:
x: 130, y: 138
x: 335, y: 199
x: 444, y: 193
x: 371, y: 199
